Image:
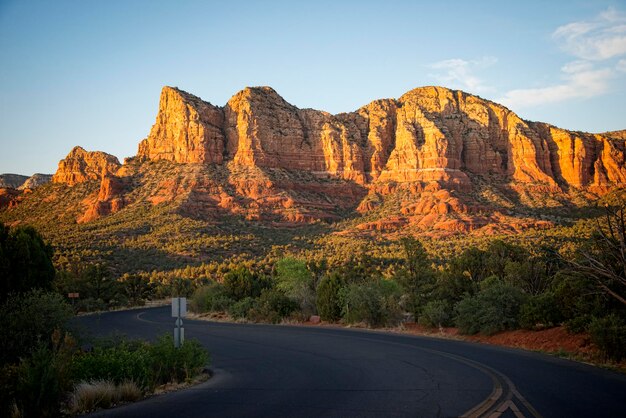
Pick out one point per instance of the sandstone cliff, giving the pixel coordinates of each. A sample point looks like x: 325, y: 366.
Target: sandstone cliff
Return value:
x: 432, y: 159
x: 80, y: 166
x: 428, y: 134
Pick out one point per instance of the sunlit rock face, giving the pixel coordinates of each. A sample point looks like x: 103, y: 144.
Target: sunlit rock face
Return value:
x: 80, y: 166
x: 445, y: 159
x: 428, y: 134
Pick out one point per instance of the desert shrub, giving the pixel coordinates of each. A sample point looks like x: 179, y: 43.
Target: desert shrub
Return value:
x: 375, y: 303
x: 210, y: 298
x: 88, y: 396
x: 272, y: 306
x: 328, y: 299
x: 147, y: 365
x: 297, y: 282
x: 117, y: 363
x: 44, y: 378
x: 241, y: 283
x: 28, y: 320
x: 241, y: 309
x: 609, y: 334
x: 176, y: 364
x: 436, y: 313
x: 540, y: 311
x: 493, y: 309
x: 577, y: 300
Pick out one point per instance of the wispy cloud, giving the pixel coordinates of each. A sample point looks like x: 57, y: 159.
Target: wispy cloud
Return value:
x: 598, y: 39
x: 580, y: 80
x: 460, y: 73
x: 595, y: 44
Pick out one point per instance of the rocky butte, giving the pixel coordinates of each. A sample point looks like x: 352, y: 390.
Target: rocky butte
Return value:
x: 434, y: 159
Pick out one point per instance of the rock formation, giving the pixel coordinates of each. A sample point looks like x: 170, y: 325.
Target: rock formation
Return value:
x: 431, y: 151
x: 428, y: 134
x: 35, y: 181
x: 80, y: 166
x: 12, y: 181
x: 187, y: 130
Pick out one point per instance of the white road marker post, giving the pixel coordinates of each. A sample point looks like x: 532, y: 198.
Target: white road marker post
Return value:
x: 179, y: 311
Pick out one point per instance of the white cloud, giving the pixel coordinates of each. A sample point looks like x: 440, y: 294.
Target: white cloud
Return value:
x: 580, y: 80
x: 459, y: 73
x: 600, y: 40
x: 597, y: 39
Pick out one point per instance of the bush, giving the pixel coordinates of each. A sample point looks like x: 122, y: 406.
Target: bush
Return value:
x: 28, y: 321
x: 328, y: 299
x: 493, y: 309
x: 609, y: 334
x: 272, y: 306
x: 117, y: 364
x: 297, y: 282
x: 25, y: 261
x: 241, y: 283
x: 44, y: 378
x: 540, y: 311
x: 375, y: 303
x: 89, y: 396
x: 210, y: 298
x: 177, y: 364
x: 241, y: 309
x: 436, y: 313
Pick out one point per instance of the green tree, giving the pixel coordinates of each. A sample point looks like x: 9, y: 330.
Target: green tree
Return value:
x: 25, y: 261
x: 297, y: 282
x: 241, y: 283
x: 29, y: 320
x: 328, y: 297
x: 495, y: 308
x: 417, y: 276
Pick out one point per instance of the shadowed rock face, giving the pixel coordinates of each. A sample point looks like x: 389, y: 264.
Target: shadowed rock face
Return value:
x: 428, y: 134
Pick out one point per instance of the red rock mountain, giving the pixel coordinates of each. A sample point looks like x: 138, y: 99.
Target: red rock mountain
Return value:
x: 438, y: 151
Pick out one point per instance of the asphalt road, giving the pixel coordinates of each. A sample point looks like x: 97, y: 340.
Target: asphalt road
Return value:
x: 286, y: 371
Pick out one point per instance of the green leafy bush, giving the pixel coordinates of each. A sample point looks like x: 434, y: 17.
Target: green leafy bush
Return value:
x: 25, y: 261
x: 375, y: 303
x: 148, y: 365
x: 540, y: 311
x: 176, y: 364
x: 210, y: 298
x: 272, y: 306
x: 44, y: 378
x: 117, y: 364
x: 241, y: 283
x: 436, y: 313
x: 609, y: 334
x: 328, y: 297
x: 493, y: 309
x: 241, y: 309
x: 28, y: 320
x: 297, y: 282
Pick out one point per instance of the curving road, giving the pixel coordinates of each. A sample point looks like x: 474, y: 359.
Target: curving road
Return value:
x: 285, y: 371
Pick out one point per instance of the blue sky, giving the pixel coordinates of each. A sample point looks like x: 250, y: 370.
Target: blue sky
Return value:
x: 89, y: 72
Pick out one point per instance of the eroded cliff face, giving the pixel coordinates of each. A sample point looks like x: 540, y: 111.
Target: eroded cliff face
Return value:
x: 187, y: 130
x: 431, y: 151
x: 80, y: 166
x: 428, y: 134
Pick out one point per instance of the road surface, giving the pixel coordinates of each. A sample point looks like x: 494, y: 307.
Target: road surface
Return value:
x: 288, y: 371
